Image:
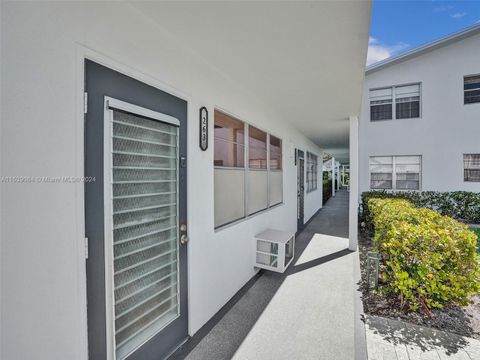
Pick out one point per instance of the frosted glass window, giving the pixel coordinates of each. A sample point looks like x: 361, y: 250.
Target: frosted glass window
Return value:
x: 240, y: 190
x: 145, y: 244
x: 276, y: 187
x: 257, y: 188
x: 229, y: 185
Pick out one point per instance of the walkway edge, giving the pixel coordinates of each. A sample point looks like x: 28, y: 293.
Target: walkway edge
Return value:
x: 360, y: 331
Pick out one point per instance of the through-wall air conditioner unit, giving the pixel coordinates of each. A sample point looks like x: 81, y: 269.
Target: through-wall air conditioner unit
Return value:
x: 275, y: 249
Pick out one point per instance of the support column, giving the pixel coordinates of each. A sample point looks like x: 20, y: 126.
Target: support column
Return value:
x: 353, y: 195
x: 333, y: 176
x: 338, y: 177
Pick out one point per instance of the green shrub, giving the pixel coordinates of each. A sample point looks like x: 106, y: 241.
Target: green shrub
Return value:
x: 476, y: 230
x: 460, y: 205
x: 327, y: 190
x: 428, y: 260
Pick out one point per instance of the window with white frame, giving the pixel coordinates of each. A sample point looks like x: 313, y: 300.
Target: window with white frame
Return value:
x: 395, y: 172
x: 241, y: 190
x: 229, y: 174
x: 471, y: 167
x: 276, y: 173
x: 405, y: 99
x: 471, y: 89
x: 312, y: 171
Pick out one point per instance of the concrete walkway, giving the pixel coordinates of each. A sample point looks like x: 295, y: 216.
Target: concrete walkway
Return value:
x: 306, y: 313
x: 389, y: 339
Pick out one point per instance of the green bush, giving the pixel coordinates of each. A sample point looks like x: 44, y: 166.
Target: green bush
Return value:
x: 460, y: 205
x: 428, y: 260
x: 327, y: 190
x: 476, y: 230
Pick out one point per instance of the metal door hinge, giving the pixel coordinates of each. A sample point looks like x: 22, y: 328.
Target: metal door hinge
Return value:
x: 85, y: 102
x: 86, y: 247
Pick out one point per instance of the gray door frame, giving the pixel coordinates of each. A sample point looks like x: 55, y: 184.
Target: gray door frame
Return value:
x: 300, y: 160
x: 100, y: 82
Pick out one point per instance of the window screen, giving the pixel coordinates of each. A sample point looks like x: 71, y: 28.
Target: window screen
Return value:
x: 407, y: 101
x: 381, y: 104
x: 311, y: 180
x: 229, y: 141
x: 145, y: 244
x: 275, y: 153
x: 275, y: 174
x: 471, y: 167
x: 471, y: 89
x: 407, y: 172
x: 257, y: 148
x: 395, y: 172
x: 381, y: 172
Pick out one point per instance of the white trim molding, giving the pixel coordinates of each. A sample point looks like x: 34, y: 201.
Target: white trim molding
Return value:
x: 354, y: 185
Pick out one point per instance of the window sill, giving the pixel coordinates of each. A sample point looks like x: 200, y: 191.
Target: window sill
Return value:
x: 383, y: 120
x: 310, y: 191
x: 395, y: 190
x: 236, y: 222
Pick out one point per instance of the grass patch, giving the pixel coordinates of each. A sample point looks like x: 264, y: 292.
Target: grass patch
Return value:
x: 477, y: 232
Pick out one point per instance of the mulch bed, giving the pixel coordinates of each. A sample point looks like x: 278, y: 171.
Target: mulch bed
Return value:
x: 462, y: 321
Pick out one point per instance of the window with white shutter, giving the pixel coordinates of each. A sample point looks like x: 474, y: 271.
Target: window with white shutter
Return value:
x: 395, y: 172
x: 381, y: 101
x: 471, y: 89
x: 471, y: 167
x: 405, y: 99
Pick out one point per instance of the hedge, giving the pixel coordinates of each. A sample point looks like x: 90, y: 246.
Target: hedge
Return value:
x: 460, y: 205
x: 327, y: 190
x: 428, y: 260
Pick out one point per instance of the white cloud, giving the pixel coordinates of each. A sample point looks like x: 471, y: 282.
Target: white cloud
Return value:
x: 458, y: 15
x: 379, y: 52
x: 443, y: 8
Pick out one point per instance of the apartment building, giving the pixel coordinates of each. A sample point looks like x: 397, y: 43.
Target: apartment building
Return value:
x: 420, y: 121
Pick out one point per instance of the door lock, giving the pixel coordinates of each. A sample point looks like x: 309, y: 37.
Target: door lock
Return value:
x: 184, y: 239
x: 183, y: 234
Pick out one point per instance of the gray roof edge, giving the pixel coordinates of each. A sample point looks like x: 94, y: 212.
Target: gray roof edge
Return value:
x: 436, y: 44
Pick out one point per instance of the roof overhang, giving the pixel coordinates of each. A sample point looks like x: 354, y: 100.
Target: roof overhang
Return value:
x: 304, y: 60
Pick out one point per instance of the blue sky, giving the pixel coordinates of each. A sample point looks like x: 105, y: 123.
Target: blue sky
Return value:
x: 398, y: 26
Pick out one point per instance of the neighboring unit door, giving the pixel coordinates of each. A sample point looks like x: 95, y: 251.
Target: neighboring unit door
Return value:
x: 135, y: 215
x: 300, y: 189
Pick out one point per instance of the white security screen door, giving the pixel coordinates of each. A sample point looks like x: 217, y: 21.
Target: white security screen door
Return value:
x: 141, y: 228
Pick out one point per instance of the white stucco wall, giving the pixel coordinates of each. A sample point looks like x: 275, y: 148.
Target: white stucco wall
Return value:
x: 447, y: 128
x: 43, y: 309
